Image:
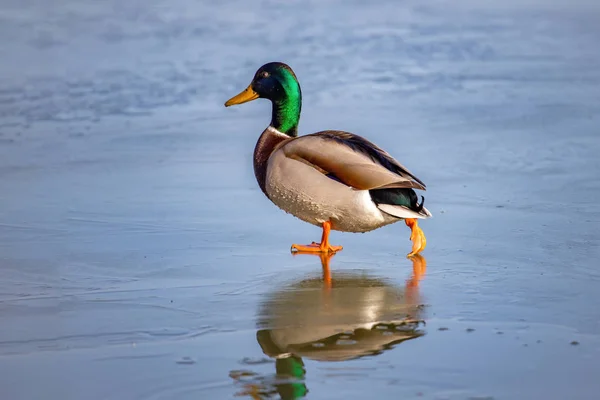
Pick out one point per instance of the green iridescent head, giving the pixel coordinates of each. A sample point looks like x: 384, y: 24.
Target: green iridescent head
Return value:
x: 277, y: 82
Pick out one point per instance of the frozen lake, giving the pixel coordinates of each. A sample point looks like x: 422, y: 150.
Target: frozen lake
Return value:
x: 139, y: 259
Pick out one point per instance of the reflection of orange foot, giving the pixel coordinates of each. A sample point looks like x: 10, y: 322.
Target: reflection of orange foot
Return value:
x: 323, y: 247
x: 417, y: 236
x: 419, y: 268
x: 325, y: 258
x: 251, y: 389
x: 255, y: 391
x: 412, y: 284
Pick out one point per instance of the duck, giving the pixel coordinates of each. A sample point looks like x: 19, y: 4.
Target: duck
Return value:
x: 333, y: 179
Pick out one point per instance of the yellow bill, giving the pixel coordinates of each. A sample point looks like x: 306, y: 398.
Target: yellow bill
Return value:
x: 244, y: 97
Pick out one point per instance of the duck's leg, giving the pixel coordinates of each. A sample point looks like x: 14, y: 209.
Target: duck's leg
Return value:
x: 323, y: 247
x: 417, y: 236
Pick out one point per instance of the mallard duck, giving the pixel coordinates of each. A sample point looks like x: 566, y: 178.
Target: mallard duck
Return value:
x: 332, y: 179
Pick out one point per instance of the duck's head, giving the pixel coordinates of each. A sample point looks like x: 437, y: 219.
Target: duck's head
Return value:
x: 274, y: 81
x: 277, y: 82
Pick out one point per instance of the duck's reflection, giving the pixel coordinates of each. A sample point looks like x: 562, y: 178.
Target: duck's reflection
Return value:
x: 333, y: 317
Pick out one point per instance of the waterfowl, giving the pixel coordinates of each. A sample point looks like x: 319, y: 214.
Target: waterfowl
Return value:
x: 331, y: 179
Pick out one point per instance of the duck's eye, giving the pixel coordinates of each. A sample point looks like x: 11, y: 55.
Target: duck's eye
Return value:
x: 264, y: 74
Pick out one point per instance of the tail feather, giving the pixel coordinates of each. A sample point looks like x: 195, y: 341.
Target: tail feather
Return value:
x: 403, y: 212
x: 400, y: 202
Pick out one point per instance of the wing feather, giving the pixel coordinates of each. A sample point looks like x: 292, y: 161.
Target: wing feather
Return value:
x: 352, y: 159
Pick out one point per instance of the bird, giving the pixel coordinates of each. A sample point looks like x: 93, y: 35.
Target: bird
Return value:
x: 333, y: 179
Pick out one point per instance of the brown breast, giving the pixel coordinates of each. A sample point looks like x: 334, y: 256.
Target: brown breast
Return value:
x: 266, y: 144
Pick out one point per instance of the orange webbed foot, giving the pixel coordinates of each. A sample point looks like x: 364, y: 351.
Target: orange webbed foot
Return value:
x: 323, y: 247
x: 416, y: 236
x: 315, y: 248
